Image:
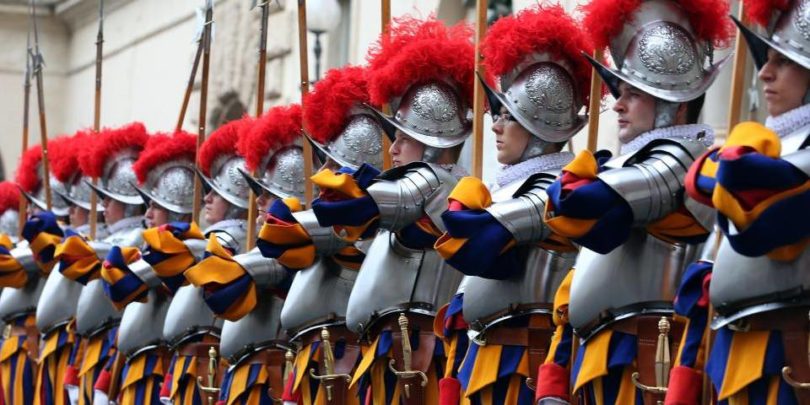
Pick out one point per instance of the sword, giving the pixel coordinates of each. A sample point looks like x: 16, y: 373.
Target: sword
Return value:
x: 211, y: 389
x: 330, y: 376
x: 407, y: 358
x: 662, y: 362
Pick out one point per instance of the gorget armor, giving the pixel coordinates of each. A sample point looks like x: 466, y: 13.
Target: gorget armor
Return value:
x: 393, y: 277
x: 742, y: 285
x: 641, y: 275
x: 188, y: 315
x: 519, y: 207
x: 94, y: 310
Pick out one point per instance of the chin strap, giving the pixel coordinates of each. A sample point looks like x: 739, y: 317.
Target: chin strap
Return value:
x: 665, y: 113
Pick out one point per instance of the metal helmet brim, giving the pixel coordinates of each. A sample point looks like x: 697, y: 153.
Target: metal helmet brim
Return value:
x: 58, y: 211
x: 147, y: 197
x: 391, y: 125
x: 323, y: 153
x: 759, y: 45
x: 126, y: 199
x: 209, y: 185
x: 258, y: 187
x: 613, y: 78
x: 547, y: 134
x: 81, y: 204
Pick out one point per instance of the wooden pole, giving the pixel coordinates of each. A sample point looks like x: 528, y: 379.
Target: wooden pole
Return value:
x: 595, y: 104
x: 206, y: 61
x: 385, y: 21
x: 43, y: 127
x: 260, y: 81
x: 478, y: 93
x: 737, y: 75
x: 97, y: 111
x: 189, y: 86
x: 303, y: 60
x: 26, y: 109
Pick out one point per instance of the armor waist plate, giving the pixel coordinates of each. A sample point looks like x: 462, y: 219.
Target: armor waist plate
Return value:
x: 18, y: 301
x: 58, y: 301
x: 94, y: 309
x: 485, y: 299
x: 142, y: 323
x: 188, y: 315
x: 739, y: 281
x: 642, y: 273
x: 318, y: 293
x: 260, y: 326
x: 394, y: 277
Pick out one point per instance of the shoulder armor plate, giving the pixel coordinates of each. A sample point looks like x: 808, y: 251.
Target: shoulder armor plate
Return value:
x: 323, y: 237
x: 265, y: 272
x: 522, y: 215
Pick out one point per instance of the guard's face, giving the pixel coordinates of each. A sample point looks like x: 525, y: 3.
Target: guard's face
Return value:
x: 78, y: 216
x: 114, y: 211
x: 263, y: 202
x: 156, y: 215
x: 405, y: 150
x: 511, y: 138
x: 216, y: 207
x: 636, y: 111
x: 785, y: 83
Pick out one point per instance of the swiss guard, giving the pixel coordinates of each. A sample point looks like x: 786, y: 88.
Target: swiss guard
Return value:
x: 349, y: 134
x: 56, y: 310
x: 191, y: 328
x: 132, y: 275
x: 758, y: 184
x: 514, y: 263
x: 637, y: 229
x: 248, y: 289
x: 109, y: 158
x: 424, y: 70
x: 25, y: 268
x: 9, y: 214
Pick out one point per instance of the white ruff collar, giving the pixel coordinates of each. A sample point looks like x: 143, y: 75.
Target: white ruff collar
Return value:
x: 125, y: 224
x: 528, y: 167
x: 689, y: 131
x: 455, y: 170
x: 789, y: 122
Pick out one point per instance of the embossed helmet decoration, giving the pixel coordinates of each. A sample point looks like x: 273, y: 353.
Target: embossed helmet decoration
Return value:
x: 9, y: 210
x: 424, y: 70
x: 787, y: 28
x: 110, y: 158
x: 79, y: 191
x: 165, y: 171
x: 662, y: 47
x: 62, y: 165
x: 220, y: 165
x: 272, y: 149
x: 341, y: 125
x: 544, y: 79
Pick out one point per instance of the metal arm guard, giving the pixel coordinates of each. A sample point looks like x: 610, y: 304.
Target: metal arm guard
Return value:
x: 25, y: 257
x: 522, y: 215
x: 323, y: 237
x: 651, y: 180
x: 146, y: 273
x: 197, y: 248
x: 265, y: 272
x: 405, y: 193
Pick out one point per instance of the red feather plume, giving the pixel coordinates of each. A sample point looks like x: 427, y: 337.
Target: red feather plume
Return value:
x: 761, y: 11
x: 278, y: 127
x: 604, y: 19
x: 541, y: 29
x: 222, y: 142
x: 109, y: 142
x: 163, y: 147
x: 327, y: 106
x: 27, y: 175
x: 9, y: 196
x: 63, y: 156
x: 416, y: 51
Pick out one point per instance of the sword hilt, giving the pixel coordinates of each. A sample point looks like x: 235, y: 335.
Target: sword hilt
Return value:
x: 211, y: 388
x: 407, y: 351
x: 662, y: 361
x: 328, y: 366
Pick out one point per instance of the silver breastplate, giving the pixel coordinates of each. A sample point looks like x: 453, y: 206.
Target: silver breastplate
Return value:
x: 531, y: 290
x: 142, y: 323
x: 642, y: 275
x: 318, y: 295
x: 15, y: 302
x: 254, y: 331
x: 394, y: 277
x: 57, y: 304
x: 94, y: 310
x: 188, y: 316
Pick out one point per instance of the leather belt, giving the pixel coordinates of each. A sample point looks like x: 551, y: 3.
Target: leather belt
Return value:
x: 31, y: 335
x: 273, y: 361
x: 200, y: 350
x: 536, y: 338
x: 645, y: 329
x: 794, y: 326
x: 336, y: 389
